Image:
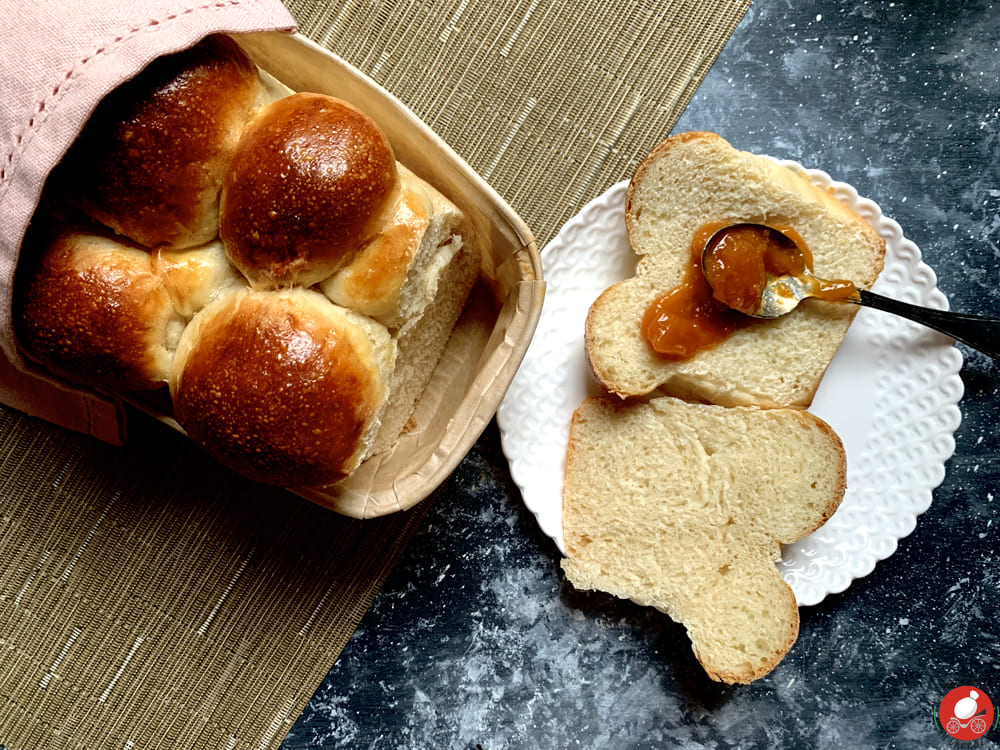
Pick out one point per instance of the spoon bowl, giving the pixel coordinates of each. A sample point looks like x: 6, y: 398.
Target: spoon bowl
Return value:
x: 782, y: 294
x: 777, y: 294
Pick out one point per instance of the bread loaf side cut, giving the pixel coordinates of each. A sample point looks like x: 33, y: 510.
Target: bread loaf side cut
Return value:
x: 687, y: 181
x: 683, y: 507
x: 422, y: 339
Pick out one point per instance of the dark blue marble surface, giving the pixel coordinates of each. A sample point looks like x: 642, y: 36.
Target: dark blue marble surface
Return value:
x: 476, y: 641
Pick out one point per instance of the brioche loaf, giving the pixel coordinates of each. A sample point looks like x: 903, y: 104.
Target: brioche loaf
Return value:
x: 256, y: 253
x: 683, y: 507
x: 687, y: 181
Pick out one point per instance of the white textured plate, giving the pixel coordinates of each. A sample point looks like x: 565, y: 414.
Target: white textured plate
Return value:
x: 891, y: 393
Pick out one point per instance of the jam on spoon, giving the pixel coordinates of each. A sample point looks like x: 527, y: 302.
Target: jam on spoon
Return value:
x: 742, y: 271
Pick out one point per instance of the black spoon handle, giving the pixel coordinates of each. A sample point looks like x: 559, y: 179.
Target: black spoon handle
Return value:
x: 979, y: 332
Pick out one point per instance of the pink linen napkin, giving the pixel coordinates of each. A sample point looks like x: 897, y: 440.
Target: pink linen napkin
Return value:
x: 57, y: 61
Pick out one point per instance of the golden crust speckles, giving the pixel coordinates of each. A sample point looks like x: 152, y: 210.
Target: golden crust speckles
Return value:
x: 310, y: 181
x: 91, y: 308
x: 280, y: 385
x: 149, y: 163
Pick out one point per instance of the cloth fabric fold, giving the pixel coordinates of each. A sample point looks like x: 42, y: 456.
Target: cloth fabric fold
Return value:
x: 57, y: 61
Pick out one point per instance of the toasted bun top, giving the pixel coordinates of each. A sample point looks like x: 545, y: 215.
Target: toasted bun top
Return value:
x: 282, y: 386
x: 91, y: 308
x: 150, y: 160
x: 310, y: 183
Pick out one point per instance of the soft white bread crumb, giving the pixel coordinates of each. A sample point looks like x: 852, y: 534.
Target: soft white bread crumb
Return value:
x: 687, y: 181
x: 684, y: 506
x: 422, y: 339
x: 395, y: 277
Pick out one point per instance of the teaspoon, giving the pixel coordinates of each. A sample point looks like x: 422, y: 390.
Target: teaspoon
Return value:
x: 782, y: 293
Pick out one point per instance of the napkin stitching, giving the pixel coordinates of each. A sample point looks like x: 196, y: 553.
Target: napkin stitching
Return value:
x: 58, y: 91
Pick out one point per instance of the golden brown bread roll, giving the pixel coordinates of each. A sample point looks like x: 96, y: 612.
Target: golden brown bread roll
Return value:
x: 395, y: 276
x: 288, y: 385
x: 149, y: 163
x: 91, y: 308
x: 282, y: 386
x: 310, y: 183
x: 372, y: 281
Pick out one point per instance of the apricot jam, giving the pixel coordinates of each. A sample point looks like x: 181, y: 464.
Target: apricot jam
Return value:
x: 740, y: 261
x: 688, y: 318
x: 719, y: 293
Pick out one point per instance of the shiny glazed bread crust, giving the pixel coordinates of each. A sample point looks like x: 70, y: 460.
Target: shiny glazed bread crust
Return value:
x: 309, y: 185
x: 288, y: 371
x: 150, y: 161
x: 279, y: 372
x: 92, y: 309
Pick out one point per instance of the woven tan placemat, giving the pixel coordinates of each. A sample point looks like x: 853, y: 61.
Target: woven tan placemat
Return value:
x: 551, y: 102
x: 150, y: 599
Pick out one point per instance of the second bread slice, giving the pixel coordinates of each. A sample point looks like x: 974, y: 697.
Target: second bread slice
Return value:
x: 683, y: 507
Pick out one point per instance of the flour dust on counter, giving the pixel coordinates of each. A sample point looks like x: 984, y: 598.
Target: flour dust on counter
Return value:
x: 495, y: 657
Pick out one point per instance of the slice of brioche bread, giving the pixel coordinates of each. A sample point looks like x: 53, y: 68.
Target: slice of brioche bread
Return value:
x: 687, y: 181
x: 683, y: 507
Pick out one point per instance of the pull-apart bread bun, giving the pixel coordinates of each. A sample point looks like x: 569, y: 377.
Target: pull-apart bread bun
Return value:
x: 195, y: 276
x: 94, y: 310
x: 98, y: 309
x: 310, y: 184
x: 683, y: 507
x: 395, y: 276
x: 287, y: 370
x: 258, y: 254
x: 692, y: 179
x: 150, y: 161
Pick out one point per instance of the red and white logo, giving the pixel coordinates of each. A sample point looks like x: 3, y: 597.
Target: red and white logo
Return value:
x: 966, y: 713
